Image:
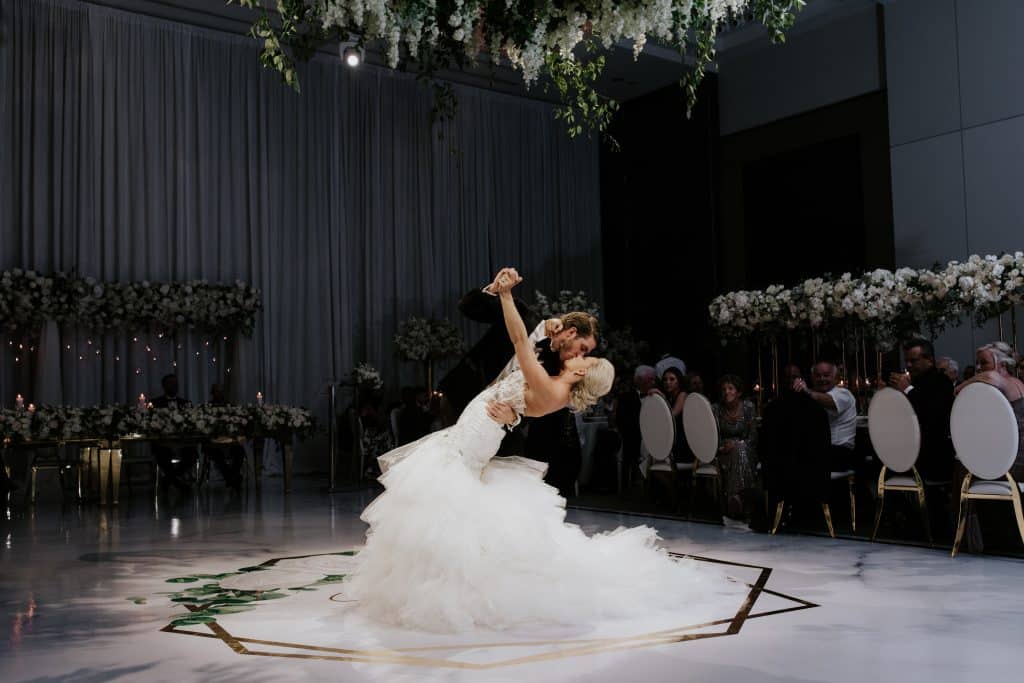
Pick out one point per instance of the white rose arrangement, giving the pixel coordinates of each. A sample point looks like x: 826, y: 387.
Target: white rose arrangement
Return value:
x: 884, y: 302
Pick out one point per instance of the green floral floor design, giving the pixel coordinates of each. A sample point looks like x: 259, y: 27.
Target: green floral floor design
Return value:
x: 245, y: 589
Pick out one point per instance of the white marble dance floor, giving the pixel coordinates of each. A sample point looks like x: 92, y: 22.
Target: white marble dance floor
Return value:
x: 84, y: 596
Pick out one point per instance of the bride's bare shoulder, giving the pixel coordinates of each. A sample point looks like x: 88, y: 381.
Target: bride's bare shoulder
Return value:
x: 552, y: 397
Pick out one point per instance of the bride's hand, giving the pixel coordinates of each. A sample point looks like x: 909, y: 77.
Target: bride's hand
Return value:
x: 506, y: 279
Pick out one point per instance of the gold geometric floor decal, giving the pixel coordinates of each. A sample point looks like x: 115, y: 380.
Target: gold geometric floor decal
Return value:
x: 434, y: 656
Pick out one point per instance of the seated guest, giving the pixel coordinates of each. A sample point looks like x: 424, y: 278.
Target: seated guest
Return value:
x: 626, y: 418
x: 694, y: 383
x: 667, y: 362
x: 841, y: 407
x: 950, y: 368
x: 997, y: 367
x: 672, y: 382
x: 996, y: 364
x: 176, y: 461
x: 737, y: 437
x: 931, y: 394
x: 968, y: 372
x: 227, y: 454
x: 793, y: 437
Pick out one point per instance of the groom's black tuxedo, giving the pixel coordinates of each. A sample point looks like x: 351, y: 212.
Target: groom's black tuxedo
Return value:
x: 553, y: 438
x: 485, y: 360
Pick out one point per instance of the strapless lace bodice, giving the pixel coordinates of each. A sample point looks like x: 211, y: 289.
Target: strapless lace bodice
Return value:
x: 476, y: 436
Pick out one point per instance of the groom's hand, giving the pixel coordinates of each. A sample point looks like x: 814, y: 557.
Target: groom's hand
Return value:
x: 501, y: 413
x: 552, y: 327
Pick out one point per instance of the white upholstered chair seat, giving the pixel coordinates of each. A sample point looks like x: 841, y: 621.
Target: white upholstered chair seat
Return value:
x: 707, y: 470
x: 986, y: 487
x: 901, y: 480
x: 836, y: 476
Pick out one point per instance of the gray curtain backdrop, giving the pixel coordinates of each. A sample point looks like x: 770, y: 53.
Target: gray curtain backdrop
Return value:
x: 133, y: 148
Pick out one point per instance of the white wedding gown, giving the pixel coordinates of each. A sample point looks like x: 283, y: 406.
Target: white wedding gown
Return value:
x: 460, y: 541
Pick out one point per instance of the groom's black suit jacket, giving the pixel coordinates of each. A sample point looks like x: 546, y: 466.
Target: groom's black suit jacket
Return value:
x: 482, y: 364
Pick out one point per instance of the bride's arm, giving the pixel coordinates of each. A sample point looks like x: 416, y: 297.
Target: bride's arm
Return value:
x: 544, y: 389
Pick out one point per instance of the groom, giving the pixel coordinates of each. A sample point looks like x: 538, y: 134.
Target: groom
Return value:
x: 553, y: 438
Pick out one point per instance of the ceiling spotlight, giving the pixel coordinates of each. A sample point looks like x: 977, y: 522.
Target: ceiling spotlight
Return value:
x: 351, y: 54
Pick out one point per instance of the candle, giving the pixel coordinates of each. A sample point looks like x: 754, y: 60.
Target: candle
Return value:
x: 259, y: 398
x: 142, y: 402
x: 31, y: 407
x: 19, y: 402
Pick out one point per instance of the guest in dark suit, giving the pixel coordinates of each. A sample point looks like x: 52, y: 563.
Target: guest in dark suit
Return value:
x: 627, y: 420
x: 177, y: 462
x: 931, y: 393
x: 795, y: 439
x: 553, y: 438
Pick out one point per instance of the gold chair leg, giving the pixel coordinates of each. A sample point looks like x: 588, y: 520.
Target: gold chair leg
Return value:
x: 778, y: 516
x: 853, y: 505
x: 962, y: 522
x: 693, y: 489
x: 1017, y: 509
x: 922, y: 505
x: 32, y: 494
x: 880, y: 503
x: 828, y: 519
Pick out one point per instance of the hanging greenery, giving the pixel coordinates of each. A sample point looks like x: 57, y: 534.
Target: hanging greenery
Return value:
x: 557, y: 40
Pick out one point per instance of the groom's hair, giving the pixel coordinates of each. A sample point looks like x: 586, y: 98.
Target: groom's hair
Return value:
x: 585, y: 324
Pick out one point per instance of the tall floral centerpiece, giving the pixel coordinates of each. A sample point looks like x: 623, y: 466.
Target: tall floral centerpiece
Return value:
x: 426, y: 341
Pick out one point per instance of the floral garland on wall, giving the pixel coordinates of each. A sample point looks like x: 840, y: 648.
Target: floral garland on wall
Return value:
x: 28, y: 299
x: 63, y: 423
x: 889, y: 305
x: 537, y: 37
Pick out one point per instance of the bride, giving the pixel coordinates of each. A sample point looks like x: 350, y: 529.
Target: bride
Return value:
x: 460, y: 540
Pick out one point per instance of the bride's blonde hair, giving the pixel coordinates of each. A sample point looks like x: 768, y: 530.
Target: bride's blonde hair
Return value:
x: 595, y: 384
